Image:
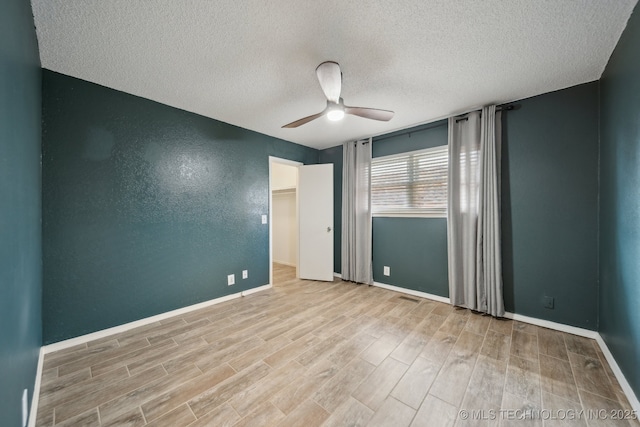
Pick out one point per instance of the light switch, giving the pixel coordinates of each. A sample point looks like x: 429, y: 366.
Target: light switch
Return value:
x: 264, y: 219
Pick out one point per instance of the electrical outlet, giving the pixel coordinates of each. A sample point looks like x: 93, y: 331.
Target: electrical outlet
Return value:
x: 231, y: 279
x: 548, y: 302
x: 245, y: 274
x: 25, y: 407
x: 386, y: 271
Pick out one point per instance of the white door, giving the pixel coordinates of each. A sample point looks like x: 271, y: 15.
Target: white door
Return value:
x: 315, y: 217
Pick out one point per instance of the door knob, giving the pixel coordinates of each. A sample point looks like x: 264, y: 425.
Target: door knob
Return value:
x: 328, y: 229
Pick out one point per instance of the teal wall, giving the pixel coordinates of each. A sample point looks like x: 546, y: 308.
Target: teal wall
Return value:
x: 549, y: 210
x: 20, y: 208
x: 619, y: 297
x: 146, y: 208
x: 549, y: 206
x: 415, y: 249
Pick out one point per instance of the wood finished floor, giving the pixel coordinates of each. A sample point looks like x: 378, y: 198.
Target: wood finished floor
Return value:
x: 336, y: 354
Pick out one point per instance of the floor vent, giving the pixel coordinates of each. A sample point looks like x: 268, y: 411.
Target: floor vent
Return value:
x: 409, y: 299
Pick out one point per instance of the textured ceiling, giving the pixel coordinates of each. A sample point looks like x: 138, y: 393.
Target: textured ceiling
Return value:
x: 252, y: 63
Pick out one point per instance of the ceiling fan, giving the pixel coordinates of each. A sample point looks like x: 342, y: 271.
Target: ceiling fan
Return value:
x: 330, y: 78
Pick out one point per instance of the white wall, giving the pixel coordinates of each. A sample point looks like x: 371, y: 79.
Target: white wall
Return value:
x: 283, y: 176
x: 285, y: 228
x: 284, y: 211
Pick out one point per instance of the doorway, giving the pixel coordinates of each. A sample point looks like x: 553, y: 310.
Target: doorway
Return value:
x: 283, y: 228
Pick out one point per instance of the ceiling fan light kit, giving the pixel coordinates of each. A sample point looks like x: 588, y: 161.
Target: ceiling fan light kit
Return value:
x: 335, y: 112
x: 335, y: 115
x: 330, y: 78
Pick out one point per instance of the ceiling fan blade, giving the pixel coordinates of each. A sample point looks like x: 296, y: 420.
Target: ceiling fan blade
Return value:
x: 330, y: 79
x: 370, y: 113
x: 303, y: 121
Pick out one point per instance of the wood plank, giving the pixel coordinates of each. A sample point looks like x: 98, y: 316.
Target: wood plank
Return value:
x: 146, y: 353
x: 551, y: 343
x: 374, y: 390
x: 488, y: 380
x: 215, y: 396
x: 523, y: 379
x: 293, y: 395
x: 439, y: 347
x: 340, y: 356
x: 223, y: 416
x: 601, y: 409
x: 130, y: 418
x: 264, y: 415
x: 435, y: 412
x: 181, y: 416
x: 308, y: 414
x: 258, y: 353
x: 351, y: 413
x: 291, y: 351
x: 590, y: 376
x: 129, y: 402
x: 415, y: 383
x: 478, y: 412
x: 478, y: 323
x: 89, y: 419
x: 502, y: 325
x: 520, y: 411
x: 175, y: 397
x: 524, y: 345
x: 245, y: 400
x: 95, y: 398
x: 335, y: 391
x: 556, y: 377
x: 581, y: 345
x: 379, y: 350
x: 563, y: 412
x: 451, y: 383
x: 392, y: 413
x: 496, y: 345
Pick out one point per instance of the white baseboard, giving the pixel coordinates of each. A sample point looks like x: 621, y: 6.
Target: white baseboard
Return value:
x: 258, y: 289
x: 162, y: 316
x: 622, y: 380
x: 553, y: 325
x: 338, y: 275
x: 412, y: 292
x: 33, y: 411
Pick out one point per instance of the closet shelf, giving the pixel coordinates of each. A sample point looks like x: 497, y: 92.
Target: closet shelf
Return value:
x: 290, y: 190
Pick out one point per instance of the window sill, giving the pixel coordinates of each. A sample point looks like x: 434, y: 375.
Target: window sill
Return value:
x: 407, y: 215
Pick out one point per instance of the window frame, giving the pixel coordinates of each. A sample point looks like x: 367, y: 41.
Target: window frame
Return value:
x: 410, y: 213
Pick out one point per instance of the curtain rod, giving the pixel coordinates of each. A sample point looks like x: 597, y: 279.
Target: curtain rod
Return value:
x: 464, y: 116
x: 444, y: 123
x: 410, y: 132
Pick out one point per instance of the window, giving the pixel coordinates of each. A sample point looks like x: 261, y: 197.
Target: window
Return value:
x: 410, y: 184
x: 469, y: 181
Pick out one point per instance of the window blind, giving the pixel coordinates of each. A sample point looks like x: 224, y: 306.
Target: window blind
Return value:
x: 413, y: 183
